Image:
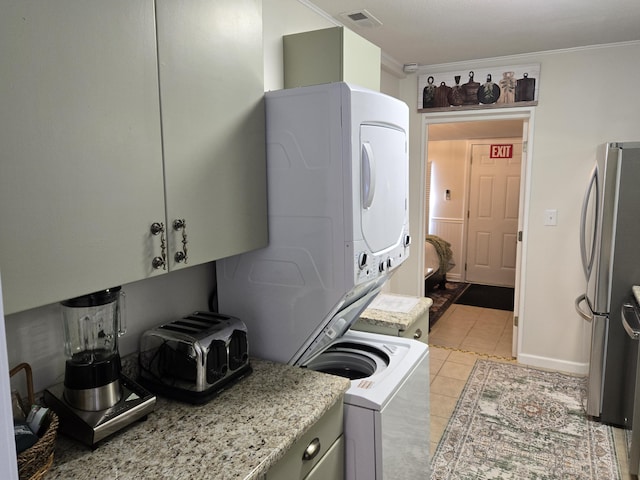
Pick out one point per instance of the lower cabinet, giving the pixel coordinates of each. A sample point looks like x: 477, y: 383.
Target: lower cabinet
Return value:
x: 331, y: 465
x: 318, y: 454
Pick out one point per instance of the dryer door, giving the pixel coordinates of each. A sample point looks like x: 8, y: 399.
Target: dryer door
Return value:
x: 383, y: 186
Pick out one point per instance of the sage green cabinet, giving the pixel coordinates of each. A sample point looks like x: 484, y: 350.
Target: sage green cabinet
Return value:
x: 318, y: 454
x: 108, y: 127
x: 211, y: 95
x: 330, y: 55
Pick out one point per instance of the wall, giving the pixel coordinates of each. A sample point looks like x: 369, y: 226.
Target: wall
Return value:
x: 586, y: 99
x: 35, y: 336
x: 448, y: 171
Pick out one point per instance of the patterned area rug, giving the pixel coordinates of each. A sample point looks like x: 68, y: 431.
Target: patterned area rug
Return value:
x: 516, y: 422
x: 442, y: 299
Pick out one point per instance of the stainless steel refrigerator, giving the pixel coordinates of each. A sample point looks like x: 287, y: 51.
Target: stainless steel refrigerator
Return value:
x: 610, y: 250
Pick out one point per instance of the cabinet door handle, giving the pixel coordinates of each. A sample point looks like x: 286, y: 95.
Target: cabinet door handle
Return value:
x: 157, y: 228
x: 417, y: 334
x: 181, y: 224
x: 312, y: 449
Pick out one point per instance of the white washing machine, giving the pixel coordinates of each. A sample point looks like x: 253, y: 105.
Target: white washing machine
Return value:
x: 386, y: 416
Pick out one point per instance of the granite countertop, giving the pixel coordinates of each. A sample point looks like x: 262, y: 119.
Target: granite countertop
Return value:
x: 390, y: 311
x: 238, y: 435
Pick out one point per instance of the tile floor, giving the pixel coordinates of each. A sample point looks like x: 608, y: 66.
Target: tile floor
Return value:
x: 462, y: 335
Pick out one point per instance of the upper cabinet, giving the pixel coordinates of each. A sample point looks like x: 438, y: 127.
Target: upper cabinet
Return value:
x: 330, y: 55
x: 114, y: 121
x: 211, y: 95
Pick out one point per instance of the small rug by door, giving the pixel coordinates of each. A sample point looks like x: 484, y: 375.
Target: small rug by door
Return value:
x: 487, y: 296
x: 517, y: 422
x: 442, y: 299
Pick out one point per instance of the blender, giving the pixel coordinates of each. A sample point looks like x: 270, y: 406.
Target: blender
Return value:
x: 96, y: 399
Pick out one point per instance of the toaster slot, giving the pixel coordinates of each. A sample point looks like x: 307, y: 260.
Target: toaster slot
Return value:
x: 210, y: 316
x: 177, y: 361
x: 194, y: 325
x: 216, y: 361
x: 238, y: 349
x: 175, y: 327
x: 195, y: 322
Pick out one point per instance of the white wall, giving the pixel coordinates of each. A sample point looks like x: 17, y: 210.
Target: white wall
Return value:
x: 448, y: 171
x: 586, y: 98
x: 449, y: 159
x: 36, y: 336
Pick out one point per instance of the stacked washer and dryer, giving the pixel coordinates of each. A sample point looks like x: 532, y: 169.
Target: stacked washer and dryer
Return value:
x: 337, y: 168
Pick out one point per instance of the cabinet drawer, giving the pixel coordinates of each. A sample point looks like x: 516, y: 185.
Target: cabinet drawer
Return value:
x: 419, y: 330
x: 322, y: 435
x: 331, y: 465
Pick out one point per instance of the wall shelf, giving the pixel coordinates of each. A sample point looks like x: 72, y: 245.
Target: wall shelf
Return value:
x: 481, y: 106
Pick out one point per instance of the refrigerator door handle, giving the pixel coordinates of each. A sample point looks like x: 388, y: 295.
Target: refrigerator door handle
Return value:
x: 630, y: 321
x: 588, y: 316
x: 588, y: 258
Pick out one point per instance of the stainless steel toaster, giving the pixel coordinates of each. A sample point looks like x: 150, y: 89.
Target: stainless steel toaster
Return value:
x: 194, y: 358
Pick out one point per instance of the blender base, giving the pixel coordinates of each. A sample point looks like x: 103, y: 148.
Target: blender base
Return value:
x: 92, y: 427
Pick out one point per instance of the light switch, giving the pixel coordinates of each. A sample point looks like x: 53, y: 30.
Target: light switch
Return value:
x: 551, y: 217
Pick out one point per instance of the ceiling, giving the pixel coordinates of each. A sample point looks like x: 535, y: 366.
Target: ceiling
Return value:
x: 430, y: 32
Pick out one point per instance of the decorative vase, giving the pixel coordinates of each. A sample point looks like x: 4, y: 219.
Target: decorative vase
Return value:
x: 525, y: 89
x: 489, y: 92
x: 428, y: 94
x: 471, y: 91
x: 456, y: 94
x: 442, y: 95
x: 507, y: 88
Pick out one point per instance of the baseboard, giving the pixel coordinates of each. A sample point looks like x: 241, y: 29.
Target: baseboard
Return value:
x: 577, y: 368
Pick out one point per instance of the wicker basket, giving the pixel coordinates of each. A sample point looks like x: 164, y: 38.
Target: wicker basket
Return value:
x: 34, y: 462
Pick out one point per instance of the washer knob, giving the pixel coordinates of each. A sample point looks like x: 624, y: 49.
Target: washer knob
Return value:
x: 362, y: 260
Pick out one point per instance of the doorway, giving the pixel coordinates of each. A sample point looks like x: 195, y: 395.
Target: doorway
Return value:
x: 448, y: 207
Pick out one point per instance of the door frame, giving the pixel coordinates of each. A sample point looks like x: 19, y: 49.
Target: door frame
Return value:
x: 516, y: 113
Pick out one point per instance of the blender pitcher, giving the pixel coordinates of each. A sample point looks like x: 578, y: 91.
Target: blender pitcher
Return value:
x: 92, y: 324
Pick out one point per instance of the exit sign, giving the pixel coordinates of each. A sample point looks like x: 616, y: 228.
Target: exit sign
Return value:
x: 501, y: 151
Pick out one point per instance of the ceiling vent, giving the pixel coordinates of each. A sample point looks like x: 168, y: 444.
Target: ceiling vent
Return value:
x: 361, y: 18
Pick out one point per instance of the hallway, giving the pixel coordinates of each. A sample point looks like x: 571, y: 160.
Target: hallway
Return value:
x: 475, y: 329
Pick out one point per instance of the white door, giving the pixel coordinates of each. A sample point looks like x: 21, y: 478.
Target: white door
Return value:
x: 494, y: 198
